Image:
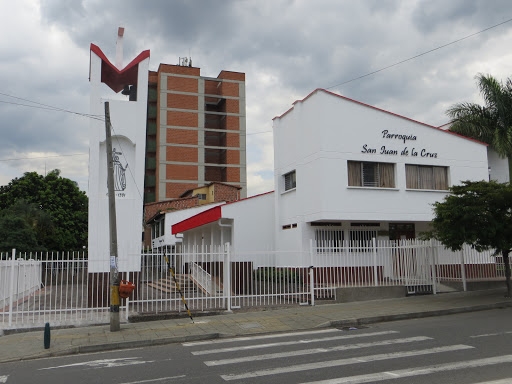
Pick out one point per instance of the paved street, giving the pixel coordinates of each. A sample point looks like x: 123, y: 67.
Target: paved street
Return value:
x: 465, y: 348
x: 87, y: 339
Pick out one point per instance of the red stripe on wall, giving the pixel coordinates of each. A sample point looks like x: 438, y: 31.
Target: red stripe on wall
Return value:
x: 202, y: 218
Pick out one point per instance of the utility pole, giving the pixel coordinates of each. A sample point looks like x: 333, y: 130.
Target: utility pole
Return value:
x: 114, y: 273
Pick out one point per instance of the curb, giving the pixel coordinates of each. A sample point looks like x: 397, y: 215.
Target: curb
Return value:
x: 72, y: 350
x: 414, y: 315
x: 116, y: 346
x: 145, y: 343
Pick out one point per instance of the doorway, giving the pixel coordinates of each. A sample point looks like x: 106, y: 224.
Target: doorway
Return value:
x: 402, y: 231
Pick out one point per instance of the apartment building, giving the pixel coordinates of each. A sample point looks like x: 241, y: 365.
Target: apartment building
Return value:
x: 195, y: 131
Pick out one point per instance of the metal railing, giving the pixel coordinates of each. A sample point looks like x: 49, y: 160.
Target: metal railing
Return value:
x: 203, y: 279
x: 62, y: 288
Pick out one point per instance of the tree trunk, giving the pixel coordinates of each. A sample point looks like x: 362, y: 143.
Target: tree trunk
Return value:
x: 507, y: 271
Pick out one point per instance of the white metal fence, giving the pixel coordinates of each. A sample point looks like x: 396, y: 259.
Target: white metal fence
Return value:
x: 59, y: 287
x: 409, y: 263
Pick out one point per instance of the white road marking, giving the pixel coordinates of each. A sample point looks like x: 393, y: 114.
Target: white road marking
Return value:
x: 106, y: 363
x: 235, y: 339
x: 153, y: 380
x: 492, y: 334
x: 303, y: 352
x: 503, y: 381
x: 340, y: 362
x: 419, y: 371
x: 3, y: 379
x: 278, y: 344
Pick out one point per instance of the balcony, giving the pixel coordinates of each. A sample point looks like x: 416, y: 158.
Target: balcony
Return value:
x: 152, y: 111
x: 149, y: 181
x: 152, y: 94
x: 151, y: 146
x: 150, y: 162
x: 151, y: 128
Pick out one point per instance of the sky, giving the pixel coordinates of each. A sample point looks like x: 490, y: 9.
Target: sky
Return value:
x: 286, y: 48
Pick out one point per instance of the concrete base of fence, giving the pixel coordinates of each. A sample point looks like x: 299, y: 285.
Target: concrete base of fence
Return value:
x: 347, y: 295
x: 141, y: 317
x: 476, y: 285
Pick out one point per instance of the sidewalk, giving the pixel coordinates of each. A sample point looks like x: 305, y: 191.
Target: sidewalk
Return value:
x: 29, y: 345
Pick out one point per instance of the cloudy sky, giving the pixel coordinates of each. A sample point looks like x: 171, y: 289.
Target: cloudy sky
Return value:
x: 287, y: 48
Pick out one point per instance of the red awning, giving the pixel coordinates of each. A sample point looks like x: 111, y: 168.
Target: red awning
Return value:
x: 206, y: 217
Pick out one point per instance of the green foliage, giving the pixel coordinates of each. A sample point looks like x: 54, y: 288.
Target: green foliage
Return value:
x: 52, y: 206
x: 480, y: 214
x: 17, y: 233
x: 476, y: 213
x: 491, y: 123
x: 272, y: 274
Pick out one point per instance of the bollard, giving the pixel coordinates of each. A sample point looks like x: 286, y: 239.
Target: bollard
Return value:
x: 47, y: 336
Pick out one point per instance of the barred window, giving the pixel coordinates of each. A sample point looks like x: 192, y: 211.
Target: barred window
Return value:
x: 289, y: 181
x: 370, y: 174
x: 362, y: 239
x: 426, y: 177
x: 328, y: 240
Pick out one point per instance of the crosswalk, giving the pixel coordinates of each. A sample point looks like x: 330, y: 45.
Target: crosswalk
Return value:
x: 319, y: 357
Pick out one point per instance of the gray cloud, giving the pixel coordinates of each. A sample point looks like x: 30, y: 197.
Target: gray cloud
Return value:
x: 287, y: 49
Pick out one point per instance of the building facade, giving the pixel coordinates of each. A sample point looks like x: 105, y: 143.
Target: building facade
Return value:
x: 195, y: 131
x: 160, y: 216
x: 348, y: 172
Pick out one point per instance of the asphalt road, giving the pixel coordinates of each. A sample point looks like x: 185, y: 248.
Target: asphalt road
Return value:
x: 466, y: 348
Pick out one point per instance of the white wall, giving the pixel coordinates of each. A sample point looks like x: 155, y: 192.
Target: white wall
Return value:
x: 250, y: 226
x: 320, y: 134
x: 498, y: 167
x: 253, y: 220
x: 26, y: 279
x: 129, y: 136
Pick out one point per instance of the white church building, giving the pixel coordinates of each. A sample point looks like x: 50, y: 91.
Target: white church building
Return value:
x: 345, y: 170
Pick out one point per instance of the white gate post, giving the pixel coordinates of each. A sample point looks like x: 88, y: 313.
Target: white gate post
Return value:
x: 375, y: 273
x: 127, y: 306
x: 227, y: 276
x: 311, y: 273
x: 463, y: 269
x: 11, y: 286
x: 433, y: 263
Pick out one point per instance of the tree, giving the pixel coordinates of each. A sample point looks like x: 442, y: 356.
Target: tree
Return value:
x: 476, y: 213
x: 16, y: 233
x: 35, y: 223
x: 61, y: 223
x: 492, y: 123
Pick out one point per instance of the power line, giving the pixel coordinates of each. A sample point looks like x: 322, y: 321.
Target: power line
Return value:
x: 47, y: 107
x: 419, y: 55
x: 256, y: 133
x: 44, y: 157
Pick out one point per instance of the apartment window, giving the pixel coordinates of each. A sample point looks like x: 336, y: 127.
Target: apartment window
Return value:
x: 289, y: 181
x: 370, y: 174
x: 426, y: 177
x: 201, y: 196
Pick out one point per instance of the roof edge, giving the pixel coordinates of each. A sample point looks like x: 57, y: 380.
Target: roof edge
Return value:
x: 378, y: 109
